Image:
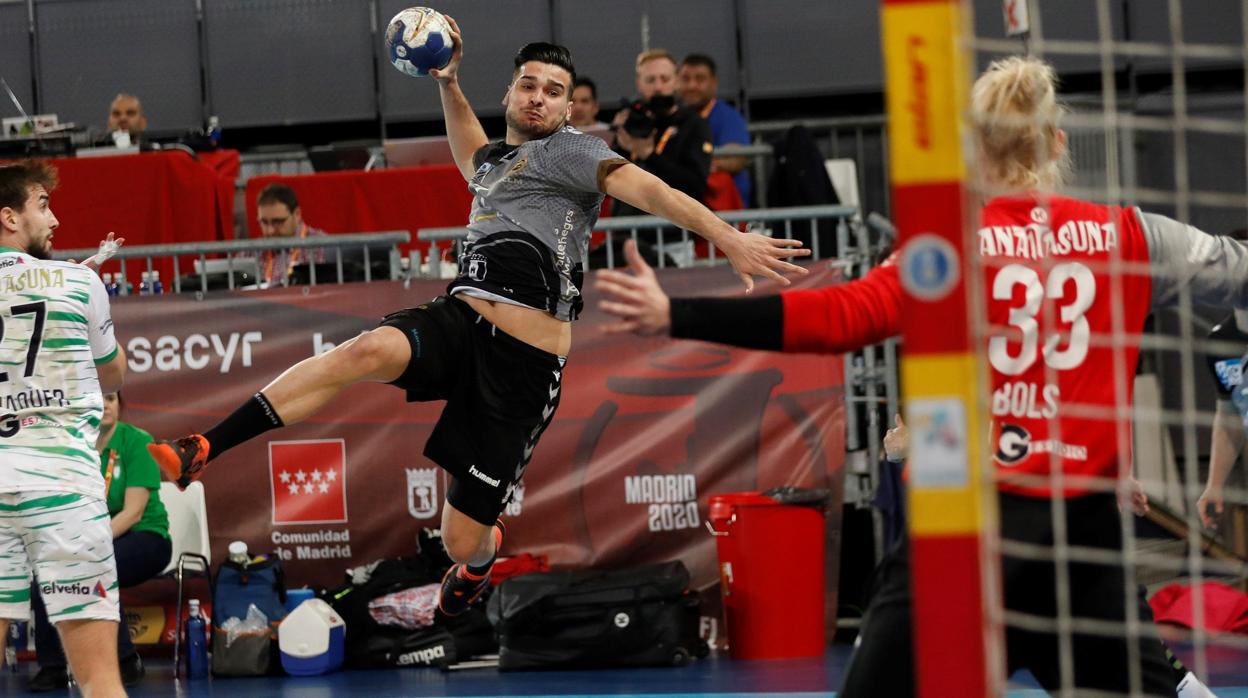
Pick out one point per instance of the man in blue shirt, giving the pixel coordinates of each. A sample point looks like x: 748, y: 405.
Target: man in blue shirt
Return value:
x: 699, y: 85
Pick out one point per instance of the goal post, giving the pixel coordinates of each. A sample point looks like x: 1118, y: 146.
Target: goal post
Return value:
x: 951, y: 504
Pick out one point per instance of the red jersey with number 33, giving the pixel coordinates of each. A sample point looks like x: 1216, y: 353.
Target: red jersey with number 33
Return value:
x: 1068, y: 289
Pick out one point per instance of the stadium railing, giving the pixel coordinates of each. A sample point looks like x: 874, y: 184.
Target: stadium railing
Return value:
x: 334, y: 247
x: 780, y: 222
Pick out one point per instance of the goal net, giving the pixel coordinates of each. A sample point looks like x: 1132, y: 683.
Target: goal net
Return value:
x: 1154, y: 92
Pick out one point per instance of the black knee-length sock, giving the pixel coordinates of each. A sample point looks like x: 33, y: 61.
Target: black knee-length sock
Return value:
x: 250, y: 420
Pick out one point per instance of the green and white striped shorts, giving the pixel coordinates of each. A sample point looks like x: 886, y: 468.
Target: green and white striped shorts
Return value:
x: 64, y: 539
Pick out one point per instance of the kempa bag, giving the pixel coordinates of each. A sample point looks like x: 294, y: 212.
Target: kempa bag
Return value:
x: 643, y: 616
x: 371, y: 645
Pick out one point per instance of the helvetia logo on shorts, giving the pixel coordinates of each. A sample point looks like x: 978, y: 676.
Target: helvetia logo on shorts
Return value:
x: 77, y: 589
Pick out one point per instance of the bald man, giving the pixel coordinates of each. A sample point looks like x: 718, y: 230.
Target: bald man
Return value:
x: 126, y: 114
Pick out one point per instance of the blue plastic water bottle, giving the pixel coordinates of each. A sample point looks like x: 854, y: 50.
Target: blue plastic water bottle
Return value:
x: 196, y: 644
x: 110, y: 287
x: 157, y: 287
x: 214, y: 131
x: 145, y: 284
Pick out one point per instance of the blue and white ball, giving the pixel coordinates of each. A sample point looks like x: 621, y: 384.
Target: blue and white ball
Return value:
x: 418, y: 40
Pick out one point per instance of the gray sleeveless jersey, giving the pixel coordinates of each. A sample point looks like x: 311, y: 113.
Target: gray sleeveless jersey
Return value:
x: 532, y: 210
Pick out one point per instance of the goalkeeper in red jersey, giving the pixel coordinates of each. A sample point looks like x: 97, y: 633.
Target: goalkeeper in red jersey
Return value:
x: 1068, y: 284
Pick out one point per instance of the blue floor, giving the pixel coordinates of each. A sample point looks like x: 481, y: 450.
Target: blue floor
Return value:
x: 716, y: 677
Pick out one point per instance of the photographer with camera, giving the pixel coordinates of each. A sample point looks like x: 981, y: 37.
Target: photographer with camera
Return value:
x: 658, y: 135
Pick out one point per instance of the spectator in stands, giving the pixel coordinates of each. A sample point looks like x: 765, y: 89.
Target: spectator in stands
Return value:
x: 277, y: 210
x: 699, y: 87
x: 660, y: 136
x: 141, y: 543
x: 584, y: 114
x: 125, y: 115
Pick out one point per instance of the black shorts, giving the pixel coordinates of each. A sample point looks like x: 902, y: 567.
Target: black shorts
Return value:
x: 500, y: 396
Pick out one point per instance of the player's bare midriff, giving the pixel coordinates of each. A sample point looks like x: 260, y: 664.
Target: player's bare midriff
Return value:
x: 533, y: 327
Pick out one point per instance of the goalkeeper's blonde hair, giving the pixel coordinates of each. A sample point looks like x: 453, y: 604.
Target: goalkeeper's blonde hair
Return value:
x: 1015, y: 115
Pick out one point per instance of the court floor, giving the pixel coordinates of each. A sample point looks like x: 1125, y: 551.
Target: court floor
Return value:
x: 715, y: 677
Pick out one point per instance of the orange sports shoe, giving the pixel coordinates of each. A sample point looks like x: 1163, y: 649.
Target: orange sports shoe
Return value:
x: 183, y: 461
x: 460, y: 588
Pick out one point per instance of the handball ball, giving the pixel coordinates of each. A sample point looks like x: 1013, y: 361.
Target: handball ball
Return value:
x: 418, y: 40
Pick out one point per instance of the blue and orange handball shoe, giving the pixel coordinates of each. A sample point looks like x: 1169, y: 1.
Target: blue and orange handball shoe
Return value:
x: 461, y: 588
x: 182, y: 461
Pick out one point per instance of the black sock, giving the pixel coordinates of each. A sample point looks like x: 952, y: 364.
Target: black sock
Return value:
x: 250, y: 420
x: 480, y: 570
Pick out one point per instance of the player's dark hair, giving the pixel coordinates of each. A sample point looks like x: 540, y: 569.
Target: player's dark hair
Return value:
x: 16, y: 181
x: 278, y: 193
x: 544, y: 52
x: 700, y: 59
x: 586, y: 82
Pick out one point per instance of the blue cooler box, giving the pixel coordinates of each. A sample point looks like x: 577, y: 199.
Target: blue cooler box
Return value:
x: 312, y: 639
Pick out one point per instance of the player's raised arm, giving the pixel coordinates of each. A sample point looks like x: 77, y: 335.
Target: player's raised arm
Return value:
x: 1213, y: 268
x: 750, y: 254
x: 463, y: 130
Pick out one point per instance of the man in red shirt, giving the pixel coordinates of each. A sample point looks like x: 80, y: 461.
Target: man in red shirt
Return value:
x: 1068, y: 285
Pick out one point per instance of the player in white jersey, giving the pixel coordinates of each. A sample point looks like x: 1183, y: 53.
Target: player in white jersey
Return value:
x: 57, y: 355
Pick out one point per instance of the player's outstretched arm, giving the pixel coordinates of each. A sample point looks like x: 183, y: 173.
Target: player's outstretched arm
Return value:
x: 463, y: 130
x: 1212, y: 268
x: 750, y: 254
x: 829, y: 320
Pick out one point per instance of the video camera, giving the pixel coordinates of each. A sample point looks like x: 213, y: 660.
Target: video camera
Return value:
x: 640, y: 122
x: 644, y: 116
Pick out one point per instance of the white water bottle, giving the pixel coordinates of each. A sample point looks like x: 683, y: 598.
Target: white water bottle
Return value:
x: 238, y: 553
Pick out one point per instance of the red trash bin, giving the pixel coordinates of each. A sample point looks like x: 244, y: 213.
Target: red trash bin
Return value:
x: 771, y: 561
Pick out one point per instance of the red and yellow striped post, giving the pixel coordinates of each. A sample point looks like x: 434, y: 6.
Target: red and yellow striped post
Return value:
x: 957, y: 652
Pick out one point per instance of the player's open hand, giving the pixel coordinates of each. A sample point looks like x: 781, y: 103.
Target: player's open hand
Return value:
x: 450, y: 72
x: 635, y: 299
x: 752, y: 254
x: 108, y: 248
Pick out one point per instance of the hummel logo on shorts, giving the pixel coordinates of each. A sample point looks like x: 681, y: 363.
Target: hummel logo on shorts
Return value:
x: 492, y: 482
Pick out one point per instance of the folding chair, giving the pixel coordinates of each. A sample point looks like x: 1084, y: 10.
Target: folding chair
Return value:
x: 188, y: 532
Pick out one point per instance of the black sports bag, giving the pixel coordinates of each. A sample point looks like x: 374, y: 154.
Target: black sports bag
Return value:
x: 643, y: 616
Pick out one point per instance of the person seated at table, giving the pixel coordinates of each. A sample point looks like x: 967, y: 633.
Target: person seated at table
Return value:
x: 126, y: 121
x: 279, y: 215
